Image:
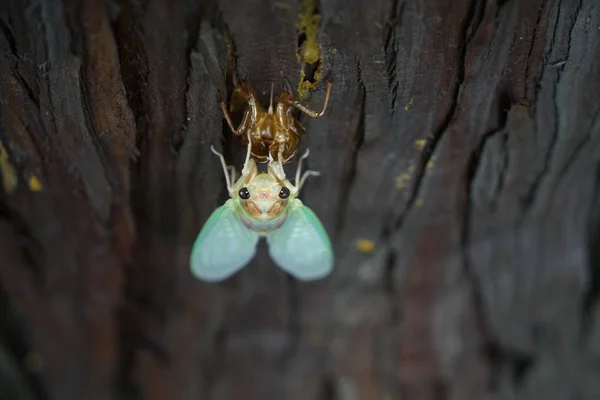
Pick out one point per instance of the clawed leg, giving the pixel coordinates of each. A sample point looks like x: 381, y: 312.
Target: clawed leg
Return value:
x: 311, y: 113
x: 225, y: 168
x: 243, y: 125
x: 300, y: 181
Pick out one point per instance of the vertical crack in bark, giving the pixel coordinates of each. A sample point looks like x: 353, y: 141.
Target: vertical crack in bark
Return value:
x: 390, y: 68
x: 468, y: 271
x: 6, y: 30
x: 476, y: 14
x: 504, y: 168
x: 206, y: 51
x: 531, y: 195
x: 12, y: 47
x: 581, y: 145
x: 469, y: 25
x: 391, y: 53
x: 232, y: 61
x: 389, y: 288
x: 486, y: 347
x: 530, y: 52
x: 29, y: 247
x: 490, y: 352
x: 496, y: 357
x: 504, y: 105
x: 133, y: 72
x: 358, y: 138
x: 175, y: 142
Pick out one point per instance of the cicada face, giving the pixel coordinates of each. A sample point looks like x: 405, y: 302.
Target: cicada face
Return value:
x: 263, y: 201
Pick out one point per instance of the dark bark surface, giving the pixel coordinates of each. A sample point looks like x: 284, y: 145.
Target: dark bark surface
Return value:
x: 462, y: 139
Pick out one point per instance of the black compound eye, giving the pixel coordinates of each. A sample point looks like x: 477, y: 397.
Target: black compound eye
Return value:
x: 244, y: 193
x: 284, y: 193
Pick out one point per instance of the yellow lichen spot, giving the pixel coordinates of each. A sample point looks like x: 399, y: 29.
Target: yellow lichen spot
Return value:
x: 34, y: 362
x: 333, y: 51
x: 409, y: 104
x: 9, y: 174
x: 420, y: 143
x: 430, y: 162
x: 306, y: 86
x: 309, y: 22
x: 311, y: 52
x: 310, y: 49
x: 365, y: 245
x: 419, y: 202
x: 404, y: 178
x: 34, y: 183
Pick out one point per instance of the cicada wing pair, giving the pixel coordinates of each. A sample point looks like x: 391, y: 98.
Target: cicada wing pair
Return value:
x: 224, y: 246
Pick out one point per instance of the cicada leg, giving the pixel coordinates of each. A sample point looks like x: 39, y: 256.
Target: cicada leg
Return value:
x: 243, y: 125
x: 277, y: 164
x: 246, y: 170
x: 300, y: 181
x: 312, y: 113
x: 225, y: 168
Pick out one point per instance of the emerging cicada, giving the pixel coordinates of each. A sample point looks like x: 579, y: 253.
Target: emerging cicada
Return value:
x: 262, y: 205
x: 274, y: 135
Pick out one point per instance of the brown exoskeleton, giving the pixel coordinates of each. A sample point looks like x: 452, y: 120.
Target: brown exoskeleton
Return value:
x: 273, y: 135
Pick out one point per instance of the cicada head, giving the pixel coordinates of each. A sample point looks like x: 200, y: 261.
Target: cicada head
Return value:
x: 263, y: 200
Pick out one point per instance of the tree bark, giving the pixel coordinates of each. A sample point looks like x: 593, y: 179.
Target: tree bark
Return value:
x: 462, y: 140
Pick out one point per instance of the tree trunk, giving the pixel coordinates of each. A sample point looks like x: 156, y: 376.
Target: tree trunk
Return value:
x: 460, y: 172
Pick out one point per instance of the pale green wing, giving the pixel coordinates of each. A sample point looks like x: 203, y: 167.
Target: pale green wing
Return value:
x: 223, y: 246
x: 301, y: 246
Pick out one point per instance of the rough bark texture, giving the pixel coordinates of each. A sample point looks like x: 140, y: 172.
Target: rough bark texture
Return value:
x: 462, y: 138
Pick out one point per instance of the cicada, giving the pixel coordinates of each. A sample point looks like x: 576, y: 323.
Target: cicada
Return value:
x: 262, y: 205
x: 274, y: 135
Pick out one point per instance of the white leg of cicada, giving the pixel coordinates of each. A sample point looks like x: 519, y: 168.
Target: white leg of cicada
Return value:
x: 276, y: 167
x: 225, y: 169
x: 300, y: 181
x: 280, y: 162
x: 299, y: 169
x: 305, y: 176
x: 245, y: 170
